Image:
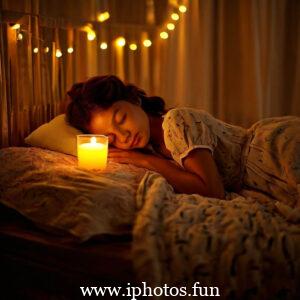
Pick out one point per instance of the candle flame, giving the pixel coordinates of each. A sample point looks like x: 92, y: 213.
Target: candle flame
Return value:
x: 93, y: 140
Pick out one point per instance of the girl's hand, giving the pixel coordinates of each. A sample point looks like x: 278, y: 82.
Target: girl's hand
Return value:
x: 129, y: 157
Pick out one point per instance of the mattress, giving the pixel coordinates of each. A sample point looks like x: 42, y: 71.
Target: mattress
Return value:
x: 35, y: 263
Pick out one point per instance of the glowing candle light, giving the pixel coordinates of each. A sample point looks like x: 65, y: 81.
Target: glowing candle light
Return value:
x: 133, y: 47
x: 36, y: 50
x: 46, y: 49
x: 147, y: 43
x: 175, y: 17
x: 92, y: 151
x: 170, y: 26
x: 70, y: 50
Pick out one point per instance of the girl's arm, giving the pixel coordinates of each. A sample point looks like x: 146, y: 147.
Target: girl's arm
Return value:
x: 199, y: 176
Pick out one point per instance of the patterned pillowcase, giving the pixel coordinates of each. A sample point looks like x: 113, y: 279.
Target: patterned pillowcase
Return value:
x: 48, y: 188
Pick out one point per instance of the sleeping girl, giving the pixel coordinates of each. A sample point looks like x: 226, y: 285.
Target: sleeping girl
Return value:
x: 194, y: 151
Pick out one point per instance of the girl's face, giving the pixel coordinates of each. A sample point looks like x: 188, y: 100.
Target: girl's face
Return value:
x: 125, y: 124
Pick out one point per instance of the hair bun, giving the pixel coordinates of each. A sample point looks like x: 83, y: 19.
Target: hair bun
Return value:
x: 75, y: 92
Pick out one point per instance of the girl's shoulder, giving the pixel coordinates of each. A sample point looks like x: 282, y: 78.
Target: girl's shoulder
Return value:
x: 186, y: 113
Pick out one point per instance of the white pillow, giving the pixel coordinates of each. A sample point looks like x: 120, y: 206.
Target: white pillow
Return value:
x: 57, y: 135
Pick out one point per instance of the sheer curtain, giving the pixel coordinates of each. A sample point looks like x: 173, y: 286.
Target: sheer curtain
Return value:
x: 239, y: 60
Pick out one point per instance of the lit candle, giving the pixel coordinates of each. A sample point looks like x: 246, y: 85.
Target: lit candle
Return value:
x: 92, y: 151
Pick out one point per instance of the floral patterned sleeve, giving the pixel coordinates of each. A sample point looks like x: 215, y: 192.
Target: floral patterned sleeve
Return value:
x: 185, y: 130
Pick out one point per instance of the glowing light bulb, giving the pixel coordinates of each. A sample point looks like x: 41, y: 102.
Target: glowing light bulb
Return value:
x: 175, y: 17
x: 58, y: 53
x: 70, y: 50
x: 147, y: 43
x: 20, y: 36
x: 170, y: 26
x: 182, y: 8
x: 46, y: 49
x: 36, y: 50
x: 133, y: 47
x: 121, y: 42
x: 91, y: 35
x: 16, y: 26
x: 103, y: 45
x: 164, y: 35
x: 103, y: 16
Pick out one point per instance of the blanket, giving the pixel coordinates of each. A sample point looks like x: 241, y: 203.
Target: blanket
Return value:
x: 247, y: 245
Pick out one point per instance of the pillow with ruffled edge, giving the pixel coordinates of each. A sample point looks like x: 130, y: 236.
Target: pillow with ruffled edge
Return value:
x: 57, y: 135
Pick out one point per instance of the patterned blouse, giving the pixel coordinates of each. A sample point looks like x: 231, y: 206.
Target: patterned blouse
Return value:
x: 187, y: 128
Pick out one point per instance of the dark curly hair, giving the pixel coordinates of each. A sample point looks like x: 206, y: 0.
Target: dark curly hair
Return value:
x: 102, y: 92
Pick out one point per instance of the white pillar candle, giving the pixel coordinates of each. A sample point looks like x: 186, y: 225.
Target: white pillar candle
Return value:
x: 92, y: 151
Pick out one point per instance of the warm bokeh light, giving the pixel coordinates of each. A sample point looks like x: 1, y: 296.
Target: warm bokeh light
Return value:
x: 103, y: 16
x: 70, y: 50
x: 16, y: 26
x: 182, y: 8
x: 58, y: 53
x: 164, y: 35
x: 103, y: 45
x: 91, y: 35
x: 175, y: 17
x: 36, y: 50
x: 133, y: 47
x: 170, y: 26
x: 147, y: 43
x: 121, y: 42
x: 20, y: 36
x: 46, y: 49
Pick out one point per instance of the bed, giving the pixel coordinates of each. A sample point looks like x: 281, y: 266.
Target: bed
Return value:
x: 130, y: 227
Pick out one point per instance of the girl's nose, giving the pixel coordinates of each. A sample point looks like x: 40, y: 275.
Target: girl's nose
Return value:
x: 126, y: 137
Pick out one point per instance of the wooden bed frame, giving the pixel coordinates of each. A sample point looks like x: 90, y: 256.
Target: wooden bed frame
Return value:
x: 38, y: 265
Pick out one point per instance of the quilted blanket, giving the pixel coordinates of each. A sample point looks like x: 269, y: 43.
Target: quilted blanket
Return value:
x: 247, y: 245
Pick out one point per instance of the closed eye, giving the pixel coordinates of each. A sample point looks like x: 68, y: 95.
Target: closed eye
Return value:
x: 123, y: 119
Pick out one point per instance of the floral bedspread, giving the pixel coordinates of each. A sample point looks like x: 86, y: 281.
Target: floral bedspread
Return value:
x: 247, y: 246
x: 48, y: 188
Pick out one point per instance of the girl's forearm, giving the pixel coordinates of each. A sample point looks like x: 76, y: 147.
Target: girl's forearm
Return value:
x: 181, y: 180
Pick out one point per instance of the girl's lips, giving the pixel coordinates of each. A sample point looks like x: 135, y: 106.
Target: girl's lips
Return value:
x: 135, y: 140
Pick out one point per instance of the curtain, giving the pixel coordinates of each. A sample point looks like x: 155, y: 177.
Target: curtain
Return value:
x: 237, y: 59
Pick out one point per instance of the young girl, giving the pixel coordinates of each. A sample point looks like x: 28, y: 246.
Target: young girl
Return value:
x: 194, y: 151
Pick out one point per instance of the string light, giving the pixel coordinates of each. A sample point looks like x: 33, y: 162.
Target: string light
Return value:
x: 147, y: 43
x: 182, y: 8
x: 175, y: 17
x: 103, y: 45
x: 164, y: 35
x: 103, y: 16
x: 19, y: 36
x: 58, y: 53
x: 170, y: 26
x: 121, y: 42
x: 16, y: 26
x: 91, y: 35
x: 133, y: 47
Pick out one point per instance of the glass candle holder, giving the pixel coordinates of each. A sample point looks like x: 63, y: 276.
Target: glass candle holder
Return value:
x: 92, y: 151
